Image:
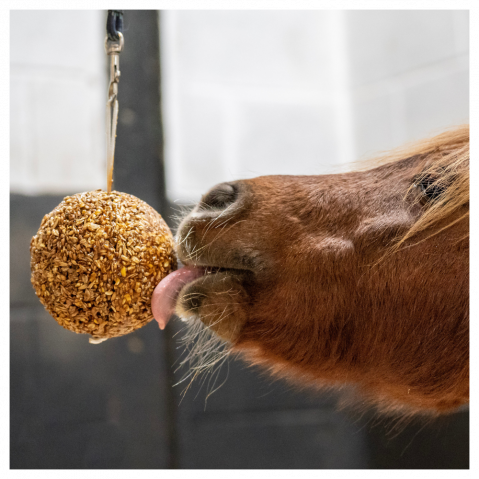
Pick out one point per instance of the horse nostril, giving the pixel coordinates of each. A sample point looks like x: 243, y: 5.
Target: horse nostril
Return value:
x: 219, y: 197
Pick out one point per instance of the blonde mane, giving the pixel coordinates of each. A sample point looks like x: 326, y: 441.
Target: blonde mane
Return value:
x: 446, y: 166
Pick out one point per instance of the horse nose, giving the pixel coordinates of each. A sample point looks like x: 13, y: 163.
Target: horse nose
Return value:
x: 219, y: 197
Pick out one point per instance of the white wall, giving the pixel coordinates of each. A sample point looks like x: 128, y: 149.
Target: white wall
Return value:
x: 248, y: 93
x: 409, y: 74
x: 58, y: 99
x: 245, y: 93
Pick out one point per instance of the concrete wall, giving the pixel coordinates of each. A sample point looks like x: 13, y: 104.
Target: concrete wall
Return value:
x: 409, y: 74
x: 245, y: 93
x: 248, y: 93
x: 58, y: 94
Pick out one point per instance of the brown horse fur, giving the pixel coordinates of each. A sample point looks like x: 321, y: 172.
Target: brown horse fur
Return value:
x: 356, y: 278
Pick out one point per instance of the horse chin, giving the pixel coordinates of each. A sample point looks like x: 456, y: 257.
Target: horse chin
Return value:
x: 218, y: 300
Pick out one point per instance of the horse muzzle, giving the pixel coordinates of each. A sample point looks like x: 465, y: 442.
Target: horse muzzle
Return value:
x: 217, y: 264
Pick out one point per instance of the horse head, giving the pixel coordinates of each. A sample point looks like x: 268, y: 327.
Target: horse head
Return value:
x: 354, y: 278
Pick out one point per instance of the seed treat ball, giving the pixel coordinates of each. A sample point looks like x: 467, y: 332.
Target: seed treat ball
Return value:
x: 96, y: 260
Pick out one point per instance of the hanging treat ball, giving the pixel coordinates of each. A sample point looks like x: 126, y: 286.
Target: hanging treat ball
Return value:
x: 96, y: 260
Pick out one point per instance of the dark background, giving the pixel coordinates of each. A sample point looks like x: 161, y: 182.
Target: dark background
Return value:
x: 113, y: 405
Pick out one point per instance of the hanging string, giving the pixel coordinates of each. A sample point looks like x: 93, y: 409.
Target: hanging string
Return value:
x: 114, y: 24
x: 113, y: 48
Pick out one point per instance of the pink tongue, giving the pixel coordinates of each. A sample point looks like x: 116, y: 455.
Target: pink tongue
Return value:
x: 166, y: 292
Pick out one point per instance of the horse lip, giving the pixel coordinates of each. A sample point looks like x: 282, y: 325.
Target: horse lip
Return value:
x: 170, y: 290
x: 236, y: 263
x: 211, y: 267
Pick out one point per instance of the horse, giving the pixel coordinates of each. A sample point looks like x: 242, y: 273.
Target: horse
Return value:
x: 357, y: 278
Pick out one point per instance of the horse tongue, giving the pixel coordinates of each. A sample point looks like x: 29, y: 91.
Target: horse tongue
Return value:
x: 166, y: 292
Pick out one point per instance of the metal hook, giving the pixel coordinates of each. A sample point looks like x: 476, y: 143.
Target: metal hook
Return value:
x: 113, y: 49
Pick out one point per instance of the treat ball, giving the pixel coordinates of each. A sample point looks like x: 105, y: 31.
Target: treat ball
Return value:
x: 96, y: 260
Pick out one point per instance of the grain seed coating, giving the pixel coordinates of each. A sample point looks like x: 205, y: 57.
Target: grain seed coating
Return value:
x: 96, y: 260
